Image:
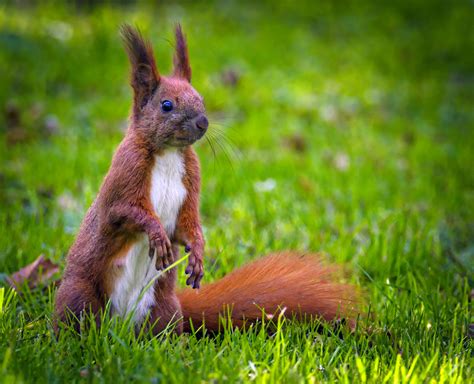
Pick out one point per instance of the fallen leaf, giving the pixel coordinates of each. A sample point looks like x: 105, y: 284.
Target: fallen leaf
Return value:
x: 84, y: 372
x: 15, y: 132
x: 37, y: 273
x: 296, y: 142
x: 230, y: 77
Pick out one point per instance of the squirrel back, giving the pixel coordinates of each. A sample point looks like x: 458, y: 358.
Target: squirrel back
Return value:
x: 296, y: 284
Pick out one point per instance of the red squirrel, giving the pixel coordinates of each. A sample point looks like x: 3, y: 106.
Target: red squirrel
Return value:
x: 148, y: 206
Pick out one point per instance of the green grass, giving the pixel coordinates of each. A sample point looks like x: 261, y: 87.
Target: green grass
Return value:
x: 352, y: 133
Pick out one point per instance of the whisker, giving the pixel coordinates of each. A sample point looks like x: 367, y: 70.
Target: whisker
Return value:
x: 212, y: 148
x: 225, y: 152
x: 229, y: 153
x: 223, y: 134
x: 227, y: 142
x: 225, y: 125
x: 228, y: 139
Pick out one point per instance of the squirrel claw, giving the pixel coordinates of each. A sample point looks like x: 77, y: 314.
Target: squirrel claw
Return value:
x: 159, y: 265
x: 195, y: 272
x: 161, y: 247
x: 195, y: 280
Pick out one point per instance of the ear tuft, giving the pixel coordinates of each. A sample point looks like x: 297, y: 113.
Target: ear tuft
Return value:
x: 182, y: 67
x: 144, y: 73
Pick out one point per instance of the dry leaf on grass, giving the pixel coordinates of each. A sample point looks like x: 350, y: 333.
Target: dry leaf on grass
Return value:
x: 37, y: 273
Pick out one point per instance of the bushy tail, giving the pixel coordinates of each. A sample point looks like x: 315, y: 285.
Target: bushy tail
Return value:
x: 301, y: 285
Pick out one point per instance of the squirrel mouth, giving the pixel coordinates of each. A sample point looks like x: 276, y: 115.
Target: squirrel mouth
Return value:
x: 188, y: 139
x: 184, y: 141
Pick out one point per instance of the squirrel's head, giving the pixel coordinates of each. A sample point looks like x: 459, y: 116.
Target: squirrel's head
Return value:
x: 167, y: 110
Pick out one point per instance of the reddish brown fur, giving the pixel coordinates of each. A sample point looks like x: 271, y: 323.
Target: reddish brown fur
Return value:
x: 123, y: 210
x: 182, y: 68
x: 144, y: 73
x: 189, y: 231
x: 296, y: 284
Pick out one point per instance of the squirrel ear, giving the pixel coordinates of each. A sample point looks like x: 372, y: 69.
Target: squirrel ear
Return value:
x: 144, y: 73
x: 181, y: 56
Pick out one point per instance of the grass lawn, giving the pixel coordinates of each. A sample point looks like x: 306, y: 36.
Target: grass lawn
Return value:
x: 343, y: 127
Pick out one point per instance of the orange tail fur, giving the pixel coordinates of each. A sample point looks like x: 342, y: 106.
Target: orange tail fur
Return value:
x: 301, y: 285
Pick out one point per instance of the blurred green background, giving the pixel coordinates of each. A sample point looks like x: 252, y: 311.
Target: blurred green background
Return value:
x: 344, y: 127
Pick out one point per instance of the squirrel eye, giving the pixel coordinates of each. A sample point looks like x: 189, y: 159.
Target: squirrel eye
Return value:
x: 167, y: 106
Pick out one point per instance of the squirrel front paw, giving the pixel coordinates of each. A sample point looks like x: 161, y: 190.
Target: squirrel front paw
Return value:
x: 195, y: 268
x: 161, y: 246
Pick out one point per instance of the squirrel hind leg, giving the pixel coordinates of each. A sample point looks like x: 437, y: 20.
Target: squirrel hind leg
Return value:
x: 76, y: 297
x: 167, y: 313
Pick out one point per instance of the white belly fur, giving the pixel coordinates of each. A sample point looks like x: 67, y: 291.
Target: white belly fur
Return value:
x: 167, y: 195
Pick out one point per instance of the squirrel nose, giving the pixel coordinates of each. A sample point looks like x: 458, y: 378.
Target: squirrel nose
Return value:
x: 202, y: 123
